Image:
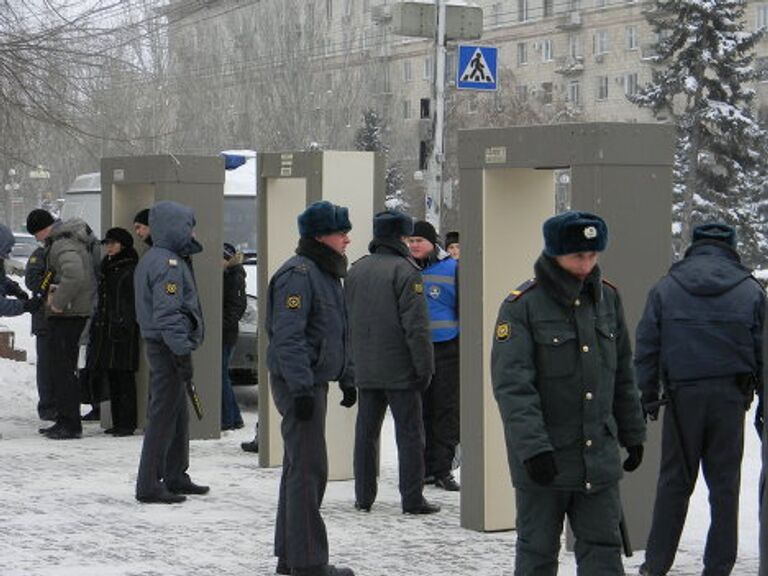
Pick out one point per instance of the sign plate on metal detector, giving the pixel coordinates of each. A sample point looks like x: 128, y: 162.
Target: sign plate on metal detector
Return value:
x: 477, y: 68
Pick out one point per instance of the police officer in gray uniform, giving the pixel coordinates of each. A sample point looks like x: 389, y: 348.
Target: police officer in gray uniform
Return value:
x: 701, y: 338
x: 171, y: 321
x: 562, y: 377
x: 308, y: 347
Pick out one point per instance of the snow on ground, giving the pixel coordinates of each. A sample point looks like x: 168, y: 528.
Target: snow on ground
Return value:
x: 67, y: 509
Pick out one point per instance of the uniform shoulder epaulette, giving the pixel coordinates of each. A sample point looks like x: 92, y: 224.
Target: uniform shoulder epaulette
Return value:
x: 526, y: 286
x: 611, y: 284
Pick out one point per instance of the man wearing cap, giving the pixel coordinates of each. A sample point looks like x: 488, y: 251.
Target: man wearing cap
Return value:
x: 141, y: 226
x: 171, y: 321
x: 393, y: 359
x: 562, y: 377
x: 452, y: 245
x: 440, y: 275
x: 71, y: 290
x: 700, y: 343
x: 308, y: 347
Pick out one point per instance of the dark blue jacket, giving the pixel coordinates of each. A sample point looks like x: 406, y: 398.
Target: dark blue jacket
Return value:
x: 307, y: 326
x: 34, y: 275
x: 702, y: 320
x: 8, y: 306
x: 167, y: 305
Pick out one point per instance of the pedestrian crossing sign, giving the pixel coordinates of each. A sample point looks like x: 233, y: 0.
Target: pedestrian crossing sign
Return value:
x: 477, y: 68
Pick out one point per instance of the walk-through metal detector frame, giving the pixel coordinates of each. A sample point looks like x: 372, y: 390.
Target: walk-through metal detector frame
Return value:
x: 288, y: 183
x: 129, y: 184
x: 622, y: 172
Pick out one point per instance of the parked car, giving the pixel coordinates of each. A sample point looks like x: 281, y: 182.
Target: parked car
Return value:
x: 23, y: 248
x: 244, y: 367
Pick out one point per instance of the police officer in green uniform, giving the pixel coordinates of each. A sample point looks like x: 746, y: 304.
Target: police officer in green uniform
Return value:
x: 562, y: 377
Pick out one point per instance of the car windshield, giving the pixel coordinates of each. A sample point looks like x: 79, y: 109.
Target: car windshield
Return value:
x: 24, y: 246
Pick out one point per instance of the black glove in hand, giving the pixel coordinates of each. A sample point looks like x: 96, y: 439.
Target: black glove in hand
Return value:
x: 184, y: 367
x: 304, y: 407
x: 542, y: 468
x: 32, y: 305
x: 634, y: 459
x: 17, y: 291
x: 651, y: 406
x: 350, y: 397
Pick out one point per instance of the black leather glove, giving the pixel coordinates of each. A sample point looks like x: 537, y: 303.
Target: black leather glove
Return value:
x: 184, y: 367
x: 759, y: 419
x: 32, y: 305
x: 304, y: 406
x: 350, y: 397
x: 542, y: 468
x: 17, y: 291
x: 634, y: 459
x: 651, y: 406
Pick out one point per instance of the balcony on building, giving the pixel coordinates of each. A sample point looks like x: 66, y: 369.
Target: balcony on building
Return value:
x: 569, y: 65
x: 569, y: 21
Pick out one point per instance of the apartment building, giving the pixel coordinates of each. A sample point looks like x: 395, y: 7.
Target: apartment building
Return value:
x: 562, y: 60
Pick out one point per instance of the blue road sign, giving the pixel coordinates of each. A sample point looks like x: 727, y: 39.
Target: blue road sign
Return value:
x: 477, y: 68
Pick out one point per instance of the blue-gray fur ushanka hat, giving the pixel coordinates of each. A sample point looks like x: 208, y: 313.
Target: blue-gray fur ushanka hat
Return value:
x: 572, y: 232
x: 321, y: 218
x: 715, y: 231
x: 391, y: 224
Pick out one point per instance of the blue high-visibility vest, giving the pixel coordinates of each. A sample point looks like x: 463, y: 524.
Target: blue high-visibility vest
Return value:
x: 440, y: 291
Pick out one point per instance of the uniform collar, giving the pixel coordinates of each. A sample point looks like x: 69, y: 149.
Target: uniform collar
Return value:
x: 564, y: 286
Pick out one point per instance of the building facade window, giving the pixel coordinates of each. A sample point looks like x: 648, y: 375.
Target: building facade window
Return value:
x: 522, y: 10
x: 522, y: 92
x: 522, y: 53
x: 600, y: 3
x: 546, y: 92
x: 472, y: 105
x: 547, y: 50
x: 574, y: 92
x: 630, y: 36
x: 548, y: 8
x: 406, y: 109
x: 386, y: 84
x: 762, y: 15
x: 602, y: 87
x: 429, y: 67
x: 496, y: 14
x: 574, y: 46
x: 328, y: 11
x: 407, y: 71
x: 630, y: 84
x: 348, y: 7
x: 600, y: 42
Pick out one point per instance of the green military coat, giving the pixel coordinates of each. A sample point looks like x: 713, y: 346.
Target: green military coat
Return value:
x: 562, y: 377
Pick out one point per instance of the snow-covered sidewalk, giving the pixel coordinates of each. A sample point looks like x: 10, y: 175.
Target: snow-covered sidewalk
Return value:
x: 67, y: 509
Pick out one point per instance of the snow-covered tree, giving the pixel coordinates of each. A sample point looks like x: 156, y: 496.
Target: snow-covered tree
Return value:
x: 703, y: 67
x: 369, y: 137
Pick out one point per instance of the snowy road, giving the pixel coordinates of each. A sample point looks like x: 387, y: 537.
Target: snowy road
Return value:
x: 67, y: 509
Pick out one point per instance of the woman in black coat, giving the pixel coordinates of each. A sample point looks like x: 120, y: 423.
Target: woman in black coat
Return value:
x: 114, y: 341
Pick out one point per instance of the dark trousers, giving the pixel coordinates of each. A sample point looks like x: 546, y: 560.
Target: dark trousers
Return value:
x: 300, y: 536
x: 409, y: 434
x: 441, y: 410
x: 710, y: 418
x: 63, y: 349
x: 46, y: 394
x: 230, y: 411
x: 122, y: 399
x: 165, y: 451
x: 594, y: 518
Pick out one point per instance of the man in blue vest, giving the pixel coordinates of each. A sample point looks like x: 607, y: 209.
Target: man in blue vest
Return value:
x: 441, y: 398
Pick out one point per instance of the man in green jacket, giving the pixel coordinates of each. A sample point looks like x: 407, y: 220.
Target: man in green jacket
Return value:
x: 562, y: 377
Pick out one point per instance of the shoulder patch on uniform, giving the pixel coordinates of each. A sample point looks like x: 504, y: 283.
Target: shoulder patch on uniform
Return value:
x: 32, y: 259
x: 611, y: 284
x: 293, y: 302
x: 418, y: 287
x: 522, y: 289
x: 171, y: 288
x: 173, y: 262
x: 503, y: 331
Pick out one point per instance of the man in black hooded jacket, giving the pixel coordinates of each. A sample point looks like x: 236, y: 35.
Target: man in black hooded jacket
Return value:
x: 701, y: 337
